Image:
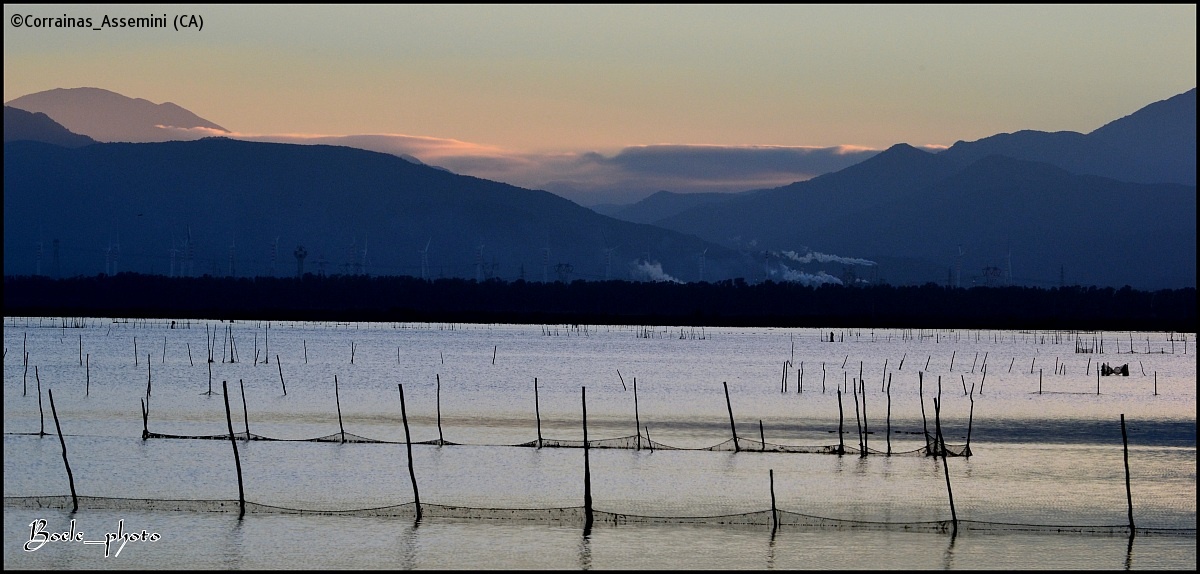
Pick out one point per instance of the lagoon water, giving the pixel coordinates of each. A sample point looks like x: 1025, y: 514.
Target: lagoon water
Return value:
x: 1045, y: 486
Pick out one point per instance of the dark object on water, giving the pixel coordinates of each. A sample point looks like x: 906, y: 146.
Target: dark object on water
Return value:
x: 1106, y: 370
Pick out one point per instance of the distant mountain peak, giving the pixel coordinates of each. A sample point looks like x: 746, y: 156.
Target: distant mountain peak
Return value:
x: 108, y: 116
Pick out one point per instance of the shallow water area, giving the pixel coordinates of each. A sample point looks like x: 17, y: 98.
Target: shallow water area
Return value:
x: 1044, y: 486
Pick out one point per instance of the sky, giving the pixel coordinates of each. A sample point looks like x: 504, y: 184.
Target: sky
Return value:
x: 608, y: 103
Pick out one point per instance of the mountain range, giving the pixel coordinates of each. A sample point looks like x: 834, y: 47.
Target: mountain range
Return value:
x: 1110, y: 208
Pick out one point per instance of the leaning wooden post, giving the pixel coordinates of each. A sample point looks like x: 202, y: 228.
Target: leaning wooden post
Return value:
x: 70, y: 477
x: 637, y: 422
x: 862, y: 385
x: 774, y: 513
x: 889, y: 413
x: 41, y: 413
x: 87, y: 390
x: 441, y: 441
x: 937, y: 409
x: 841, y: 441
x: 412, y: 475
x: 732, y: 428
x: 858, y: 419
x: 236, y: 459
x: 337, y: 397
x: 1128, y: 492
x: 970, y: 420
x: 147, y: 375
x: 537, y: 412
x: 587, y: 469
x: 762, y: 438
x: 924, y: 421
x: 145, y: 421
x: 245, y: 412
x: 280, y: 366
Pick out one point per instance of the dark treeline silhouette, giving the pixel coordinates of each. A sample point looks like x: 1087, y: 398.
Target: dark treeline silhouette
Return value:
x: 726, y: 303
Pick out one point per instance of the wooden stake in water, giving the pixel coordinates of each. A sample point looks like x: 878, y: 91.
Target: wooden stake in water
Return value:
x: 587, y: 469
x: 924, y: 420
x: 337, y: 397
x: 305, y: 343
x: 41, y: 415
x: 245, y: 412
x: 441, y: 441
x: 494, y: 353
x: 1128, y: 491
x: 280, y: 367
x: 537, y: 411
x: 732, y: 428
x: 637, y: 422
x: 841, y: 441
x: 145, y: 420
x: 189, y: 349
x: 412, y: 475
x: 889, y: 414
x: 937, y: 408
x: 970, y: 420
x: 87, y: 390
x: 236, y: 459
x: 61, y: 441
x: 762, y: 438
x: 774, y: 513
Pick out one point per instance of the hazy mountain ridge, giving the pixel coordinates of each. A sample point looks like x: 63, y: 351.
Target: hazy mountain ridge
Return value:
x: 359, y: 211
x: 20, y: 125
x: 1156, y: 144
x: 111, y: 117
x: 1036, y: 195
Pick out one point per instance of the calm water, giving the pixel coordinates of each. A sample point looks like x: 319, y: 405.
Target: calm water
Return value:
x: 1045, y: 487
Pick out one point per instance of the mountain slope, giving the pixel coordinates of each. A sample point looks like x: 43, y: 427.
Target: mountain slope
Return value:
x: 248, y: 206
x: 111, y: 117
x: 1156, y: 144
x: 20, y: 125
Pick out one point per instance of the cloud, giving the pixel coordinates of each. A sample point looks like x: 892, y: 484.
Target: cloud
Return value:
x: 588, y: 177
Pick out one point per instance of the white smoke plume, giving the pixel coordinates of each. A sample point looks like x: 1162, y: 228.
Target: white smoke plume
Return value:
x: 823, y: 258
x: 650, y: 271
x: 808, y: 279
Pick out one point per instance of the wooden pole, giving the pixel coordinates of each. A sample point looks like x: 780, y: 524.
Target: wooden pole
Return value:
x: 924, y: 420
x: 412, y: 475
x: 801, y: 391
x: 637, y: 422
x: 587, y: 469
x: 862, y: 387
x: 305, y: 343
x: 189, y: 349
x: 245, y: 412
x: 762, y: 438
x: 732, y: 428
x: 945, y: 466
x: 61, y: 441
x: 841, y: 442
x: 889, y: 414
x: 236, y: 459
x: 280, y: 367
x: 537, y: 411
x: 970, y: 421
x: 858, y: 419
x: 145, y: 421
x: 87, y: 390
x: 337, y: 397
x: 1128, y: 491
x: 441, y: 441
x: 774, y: 513
x: 41, y: 413
x: 147, y: 375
